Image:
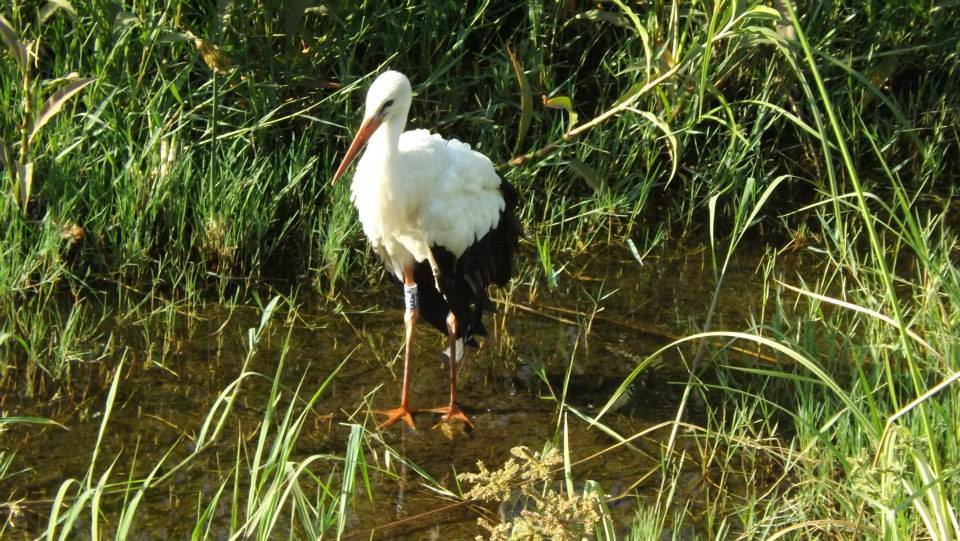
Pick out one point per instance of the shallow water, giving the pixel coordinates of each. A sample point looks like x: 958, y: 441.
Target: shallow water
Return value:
x: 608, y: 304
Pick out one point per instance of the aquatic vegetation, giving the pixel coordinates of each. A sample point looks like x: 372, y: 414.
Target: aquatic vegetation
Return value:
x: 546, y: 513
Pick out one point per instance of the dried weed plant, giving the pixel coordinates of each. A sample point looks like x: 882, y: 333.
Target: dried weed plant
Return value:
x: 546, y: 512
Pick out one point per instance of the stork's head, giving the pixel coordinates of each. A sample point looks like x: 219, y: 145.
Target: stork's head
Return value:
x: 388, y: 100
x: 389, y: 95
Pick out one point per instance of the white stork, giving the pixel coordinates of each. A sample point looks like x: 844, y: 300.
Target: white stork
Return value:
x: 439, y: 218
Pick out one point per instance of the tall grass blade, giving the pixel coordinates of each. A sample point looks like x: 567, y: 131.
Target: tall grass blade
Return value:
x: 107, y: 411
x: 55, y: 103
x: 12, y: 41
x: 201, y: 529
x: 671, y: 141
x: 95, y: 511
x: 526, y: 100
x: 641, y: 31
x: 15, y: 419
x: 821, y: 375
x: 350, y: 462
x: 5, y: 159
x: 129, y: 512
x: 52, y: 6
x: 863, y: 310
x: 567, y: 460
x: 59, y: 502
x: 24, y: 183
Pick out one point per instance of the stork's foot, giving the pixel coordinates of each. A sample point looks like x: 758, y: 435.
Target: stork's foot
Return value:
x: 452, y: 413
x: 397, y: 414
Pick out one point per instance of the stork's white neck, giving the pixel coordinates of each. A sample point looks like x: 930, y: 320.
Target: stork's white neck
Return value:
x: 386, y: 140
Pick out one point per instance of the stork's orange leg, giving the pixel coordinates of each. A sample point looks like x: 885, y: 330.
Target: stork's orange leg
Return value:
x: 410, y: 320
x: 452, y: 411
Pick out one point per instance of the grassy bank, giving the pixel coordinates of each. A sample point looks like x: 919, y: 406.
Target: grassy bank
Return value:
x: 189, y: 161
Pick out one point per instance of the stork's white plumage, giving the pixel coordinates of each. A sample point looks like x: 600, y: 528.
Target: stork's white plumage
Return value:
x: 439, y: 217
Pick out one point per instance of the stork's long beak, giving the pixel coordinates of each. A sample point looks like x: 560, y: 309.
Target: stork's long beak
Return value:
x: 369, y: 126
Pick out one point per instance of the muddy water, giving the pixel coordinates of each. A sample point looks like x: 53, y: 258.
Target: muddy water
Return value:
x: 605, y: 318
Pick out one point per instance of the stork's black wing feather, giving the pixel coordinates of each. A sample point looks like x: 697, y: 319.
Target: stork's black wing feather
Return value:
x: 464, y: 280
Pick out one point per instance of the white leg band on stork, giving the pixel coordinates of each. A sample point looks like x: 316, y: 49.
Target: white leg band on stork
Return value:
x: 410, y: 300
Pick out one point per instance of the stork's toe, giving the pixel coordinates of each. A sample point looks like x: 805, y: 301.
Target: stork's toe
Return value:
x: 393, y: 415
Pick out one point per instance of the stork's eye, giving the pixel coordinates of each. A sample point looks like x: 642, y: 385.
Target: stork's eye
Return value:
x: 383, y: 108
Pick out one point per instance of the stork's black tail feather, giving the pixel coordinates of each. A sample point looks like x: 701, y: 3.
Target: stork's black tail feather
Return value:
x: 464, y: 280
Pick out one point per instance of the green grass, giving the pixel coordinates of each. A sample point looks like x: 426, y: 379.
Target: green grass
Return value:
x: 177, y: 179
